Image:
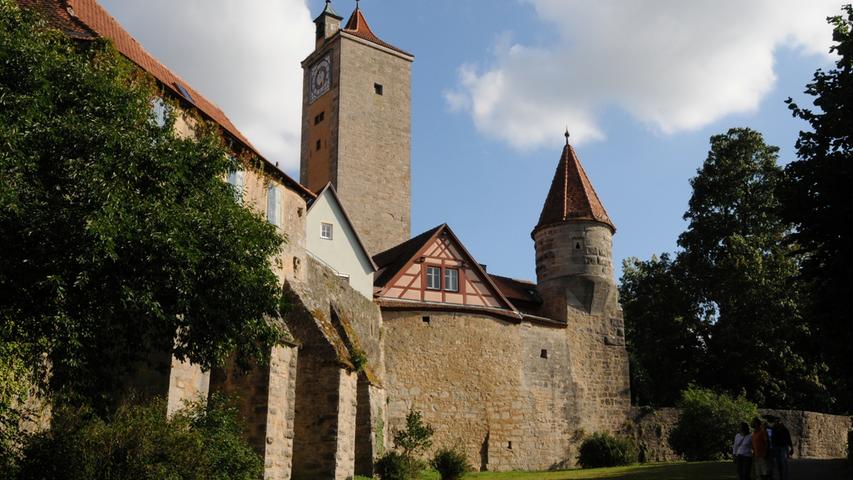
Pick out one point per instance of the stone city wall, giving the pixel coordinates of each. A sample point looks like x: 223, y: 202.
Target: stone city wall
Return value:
x: 815, y: 435
x: 505, y: 392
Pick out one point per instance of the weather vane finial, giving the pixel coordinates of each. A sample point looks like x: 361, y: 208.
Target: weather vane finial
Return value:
x: 567, y: 135
x: 356, y: 4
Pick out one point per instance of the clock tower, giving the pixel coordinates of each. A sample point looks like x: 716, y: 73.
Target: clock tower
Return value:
x: 356, y: 126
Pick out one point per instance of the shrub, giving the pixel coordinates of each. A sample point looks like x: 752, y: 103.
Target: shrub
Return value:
x: 450, y: 463
x: 708, y: 423
x: 605, y: 450
x: 416, y: 437
x: 139, y: 442
x: 850, y: 446
x: 398, y: 466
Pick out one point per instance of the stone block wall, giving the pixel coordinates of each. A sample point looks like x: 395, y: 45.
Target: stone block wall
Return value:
x: 187, y: 383
x: 374, y: 143
x: 484, y: 385
x: 815, y: 435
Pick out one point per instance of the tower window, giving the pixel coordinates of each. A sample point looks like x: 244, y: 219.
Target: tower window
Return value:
x: 425, y: 319
x: 273, y: 206
x: 319, y: 145
x: 326, y: 231
x: 378, y: 88
x: 433, y: 275
x: 543, y: 353
x: 319, y: 118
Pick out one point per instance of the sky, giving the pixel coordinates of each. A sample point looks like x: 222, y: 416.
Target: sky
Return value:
x: 641, y: 86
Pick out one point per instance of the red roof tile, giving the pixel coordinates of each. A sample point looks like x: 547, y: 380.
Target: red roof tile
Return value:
x: 571, y: 196
x: 87, y: 20
x: 357, y: 25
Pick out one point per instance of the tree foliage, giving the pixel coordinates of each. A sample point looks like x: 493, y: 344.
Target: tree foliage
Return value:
x: 726, y: 312
x: 140, y: 442
x: 705, y: 428
x: 604, y: 450
x: 120, y: 237
x: 661, y: 315
x: 817, y: 200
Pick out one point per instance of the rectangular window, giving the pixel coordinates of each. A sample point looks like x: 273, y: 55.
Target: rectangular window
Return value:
x: 451, y: 279
x: 272, y: 205
x: 326, y: 231
x: 319, y: 144
x: 433, y: 278
x: 160, y: 111
x: 378, y: 88
x: 319, y: 118
x: 237, y: 179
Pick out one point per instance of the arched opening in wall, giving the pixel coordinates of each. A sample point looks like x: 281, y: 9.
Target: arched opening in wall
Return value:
x: 366, y: 437
x: 316, y: 412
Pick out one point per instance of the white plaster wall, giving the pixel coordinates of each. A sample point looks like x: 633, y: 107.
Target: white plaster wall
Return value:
x: 342, y: 253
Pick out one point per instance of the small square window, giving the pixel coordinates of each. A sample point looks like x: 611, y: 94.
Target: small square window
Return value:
x: 543, y: 353
x: 433, y: 278
x: 326, y: 230
x: 425, y: 319
x: 451, y: 279
x: 319, y: 145
x: 378, y: 88
x: 319, y: 118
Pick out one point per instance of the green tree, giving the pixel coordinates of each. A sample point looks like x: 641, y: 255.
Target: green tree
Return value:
x: 665, y: 329
x: 817, y: 199
x: 739, y: 266
x: 707, y: 423
x: 199, y: 442
x: 119, y: 237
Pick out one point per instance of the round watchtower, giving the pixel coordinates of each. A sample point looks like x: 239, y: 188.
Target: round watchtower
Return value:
x: 573, y: 241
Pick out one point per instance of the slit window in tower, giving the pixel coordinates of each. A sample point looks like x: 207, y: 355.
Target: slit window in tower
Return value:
x: 319, y: 118
x: 378, y: 88
x: 319, y: 145
x: 543, y: 353
x: 433, y: 275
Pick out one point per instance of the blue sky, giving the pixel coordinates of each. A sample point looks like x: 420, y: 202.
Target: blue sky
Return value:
x: 643, y: 85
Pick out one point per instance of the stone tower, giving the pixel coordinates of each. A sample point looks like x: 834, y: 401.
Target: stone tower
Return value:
x: 574, y: 270
x: 356, y: 126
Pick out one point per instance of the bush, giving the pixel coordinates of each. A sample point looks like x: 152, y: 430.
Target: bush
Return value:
x: 708, y: 423
x: 450, y: 463
x: 605, y: 450
x: 850, y: 446
x: 139, y: 442
x: 416, y: 437
x: 398, y: 466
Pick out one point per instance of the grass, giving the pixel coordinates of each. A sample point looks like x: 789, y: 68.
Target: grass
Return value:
x: 822, y: 469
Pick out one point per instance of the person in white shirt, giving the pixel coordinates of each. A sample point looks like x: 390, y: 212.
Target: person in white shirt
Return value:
x: 742, y: 451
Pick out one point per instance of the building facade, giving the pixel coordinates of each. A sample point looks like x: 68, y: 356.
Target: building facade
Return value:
x: 381, y: 323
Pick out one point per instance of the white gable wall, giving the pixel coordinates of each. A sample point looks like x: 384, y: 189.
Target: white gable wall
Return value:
x: 343, y: 252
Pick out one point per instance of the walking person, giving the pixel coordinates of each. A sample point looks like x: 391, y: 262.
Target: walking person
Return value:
x: 760, y: 446
x: 782, y: 446
x: 742, y: 451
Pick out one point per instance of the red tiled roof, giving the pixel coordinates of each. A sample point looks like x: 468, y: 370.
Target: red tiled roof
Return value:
x: 571, y: 196
x: 87, y: 20
x: 357, y: 25
x: 521, y: 293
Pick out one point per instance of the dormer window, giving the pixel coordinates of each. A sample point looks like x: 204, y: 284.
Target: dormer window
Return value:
x: 433, y: 275
x: 451, y: 279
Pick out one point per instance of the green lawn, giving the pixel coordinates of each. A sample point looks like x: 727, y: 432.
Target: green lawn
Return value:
x: 817, y: 469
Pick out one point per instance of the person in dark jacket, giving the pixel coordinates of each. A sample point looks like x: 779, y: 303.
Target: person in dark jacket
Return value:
x: 782, y: 447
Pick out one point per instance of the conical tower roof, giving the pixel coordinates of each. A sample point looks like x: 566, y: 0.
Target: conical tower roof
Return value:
x: 572, y: 197
x: 357, y: 26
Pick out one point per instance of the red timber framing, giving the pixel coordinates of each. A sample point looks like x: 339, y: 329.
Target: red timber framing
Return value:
x: 444, y: 251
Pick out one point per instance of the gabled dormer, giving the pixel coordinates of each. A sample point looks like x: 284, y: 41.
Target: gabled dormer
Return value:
x: 434, y: 269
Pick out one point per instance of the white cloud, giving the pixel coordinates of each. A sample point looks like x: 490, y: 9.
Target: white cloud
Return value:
x: 242, y: 55
x: 673, y: 64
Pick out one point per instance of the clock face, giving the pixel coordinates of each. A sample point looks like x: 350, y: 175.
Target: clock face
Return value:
x: 320, y: 78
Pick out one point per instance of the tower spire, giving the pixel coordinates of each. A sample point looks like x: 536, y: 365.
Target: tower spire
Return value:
x: 572, y: 197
